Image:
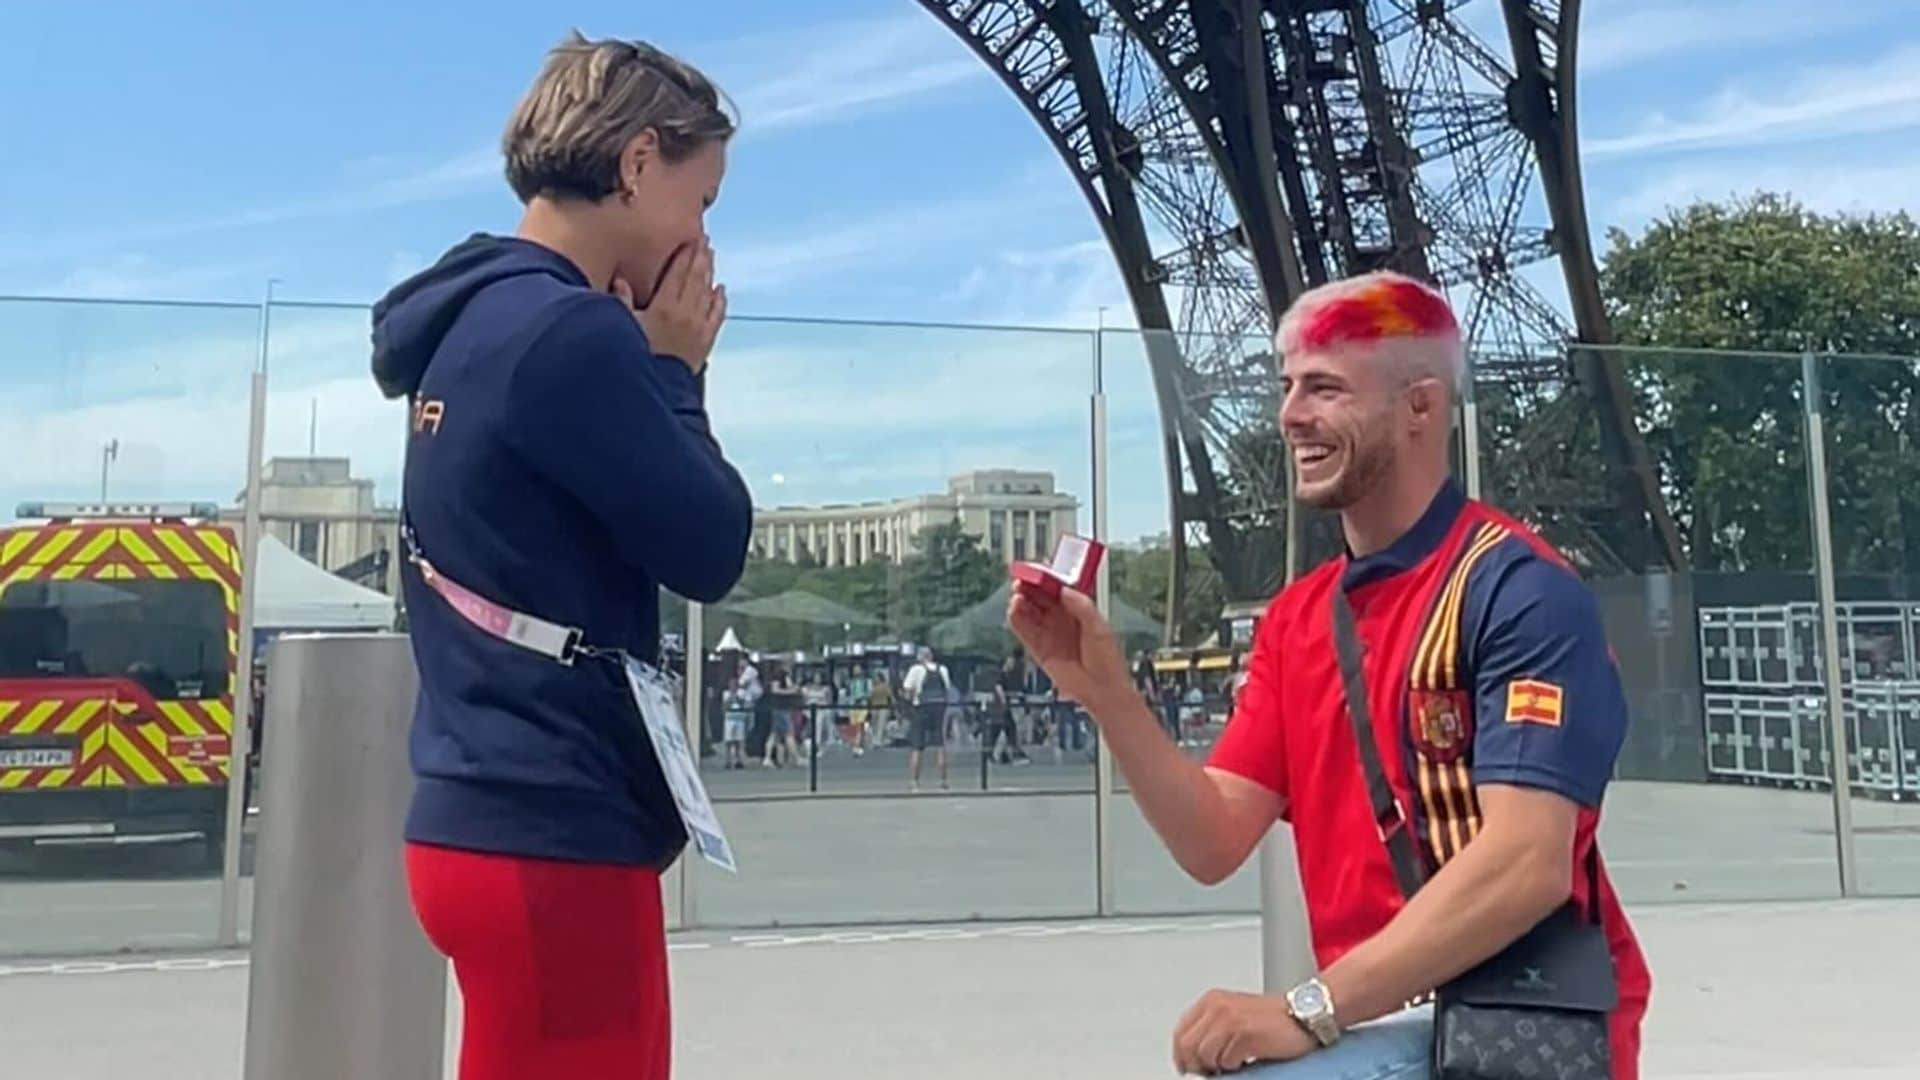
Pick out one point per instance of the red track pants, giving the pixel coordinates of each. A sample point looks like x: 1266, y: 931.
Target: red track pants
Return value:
x: 563, y: 966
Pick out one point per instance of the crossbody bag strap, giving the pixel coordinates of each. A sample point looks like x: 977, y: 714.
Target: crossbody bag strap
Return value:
x: 1387, y: 816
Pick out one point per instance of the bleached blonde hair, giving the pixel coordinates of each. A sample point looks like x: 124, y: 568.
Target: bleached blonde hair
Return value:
x: 1408, y: 321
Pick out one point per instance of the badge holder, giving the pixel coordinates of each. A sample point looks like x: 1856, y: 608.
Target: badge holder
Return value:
x: 655, y: 692
x: 1075, y: 565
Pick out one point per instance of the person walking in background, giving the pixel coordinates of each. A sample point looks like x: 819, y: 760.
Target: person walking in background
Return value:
x: 927, y: 687
x: 741, y: 698
x: 816, y: 702
x: 1003, y: 737
x: 781, y: 750
x: 561, y: 465
x: 880, y: 705
x: 1193, y: 713
x: 859, y: 698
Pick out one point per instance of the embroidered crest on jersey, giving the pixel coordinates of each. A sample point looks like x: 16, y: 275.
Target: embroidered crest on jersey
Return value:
x: 1440, y: 723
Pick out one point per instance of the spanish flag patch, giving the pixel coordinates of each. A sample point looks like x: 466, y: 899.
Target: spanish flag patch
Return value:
x: 1530, y: 701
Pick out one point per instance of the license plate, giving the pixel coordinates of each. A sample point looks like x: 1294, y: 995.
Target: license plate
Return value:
x: 39, y: 757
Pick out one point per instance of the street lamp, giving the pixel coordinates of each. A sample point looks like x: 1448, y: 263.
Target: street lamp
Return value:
x: 108, y: 455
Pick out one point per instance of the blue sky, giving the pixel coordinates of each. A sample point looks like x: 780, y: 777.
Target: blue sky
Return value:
x: 191, y: 151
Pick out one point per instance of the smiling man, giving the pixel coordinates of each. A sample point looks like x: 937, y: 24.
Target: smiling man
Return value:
x: 1496, y: 714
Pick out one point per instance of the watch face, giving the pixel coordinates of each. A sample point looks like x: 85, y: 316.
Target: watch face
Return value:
x: 1309, y: 1000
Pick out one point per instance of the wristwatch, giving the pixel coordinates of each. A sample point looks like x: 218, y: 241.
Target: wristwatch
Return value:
x: 1311, y: 1005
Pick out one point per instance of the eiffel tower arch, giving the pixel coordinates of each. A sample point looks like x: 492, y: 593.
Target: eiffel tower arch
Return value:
x: 1237, y: 152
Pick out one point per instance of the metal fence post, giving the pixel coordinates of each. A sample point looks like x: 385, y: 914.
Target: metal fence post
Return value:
x: 694, y: 712
x: 343, y: 981
x: 1470, y: 434
x: 1103, y: 755
x: 1286, y: 951
x: 1816, y: 433
x: 240, y: 741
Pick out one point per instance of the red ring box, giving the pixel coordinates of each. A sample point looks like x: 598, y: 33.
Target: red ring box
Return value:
x: 1075, y: 565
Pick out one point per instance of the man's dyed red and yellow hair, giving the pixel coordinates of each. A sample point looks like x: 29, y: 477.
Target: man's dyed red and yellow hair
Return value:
x: 1371, y: 308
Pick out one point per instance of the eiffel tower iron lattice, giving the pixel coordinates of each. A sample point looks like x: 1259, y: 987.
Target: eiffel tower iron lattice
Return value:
x: 1238, y: 152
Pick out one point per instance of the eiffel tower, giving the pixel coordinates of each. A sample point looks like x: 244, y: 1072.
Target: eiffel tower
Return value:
x: 1238, y: 152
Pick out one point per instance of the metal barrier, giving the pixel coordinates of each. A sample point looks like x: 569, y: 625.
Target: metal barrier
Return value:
x: 344, y: 985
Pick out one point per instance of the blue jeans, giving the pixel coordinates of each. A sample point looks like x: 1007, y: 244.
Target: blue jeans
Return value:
x: 1397, y: 1047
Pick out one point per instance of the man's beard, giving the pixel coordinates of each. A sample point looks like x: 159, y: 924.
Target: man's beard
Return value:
x: 1366, y: 465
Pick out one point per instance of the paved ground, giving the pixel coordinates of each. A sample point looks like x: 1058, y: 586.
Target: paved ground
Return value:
x: 1009, y: 854
x: 1744, y: 992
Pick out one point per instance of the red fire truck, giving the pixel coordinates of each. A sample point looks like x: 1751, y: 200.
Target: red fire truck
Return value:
x: 119, y: 632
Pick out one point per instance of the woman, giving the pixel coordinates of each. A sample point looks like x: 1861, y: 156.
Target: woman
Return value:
x: 561, y: 467
x: 741, y: 697
x: 880, y: 701
x: 859, y: 689
x: 816, y: 712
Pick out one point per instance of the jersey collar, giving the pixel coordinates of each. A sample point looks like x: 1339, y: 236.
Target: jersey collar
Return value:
x: 1414, y: 545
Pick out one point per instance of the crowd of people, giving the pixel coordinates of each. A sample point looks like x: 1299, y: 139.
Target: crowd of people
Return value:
x: 776, y: 714
x: 786, y: 710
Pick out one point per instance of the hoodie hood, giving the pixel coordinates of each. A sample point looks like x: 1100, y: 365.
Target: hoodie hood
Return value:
x: 410, y: 321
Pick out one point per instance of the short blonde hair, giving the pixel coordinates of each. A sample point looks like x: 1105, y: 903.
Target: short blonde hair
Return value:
x: 593, y: 98
x: 1396, y: 313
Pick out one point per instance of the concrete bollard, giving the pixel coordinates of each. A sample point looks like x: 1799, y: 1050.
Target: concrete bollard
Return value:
x: 344, y: 985
x: 1286, y: 944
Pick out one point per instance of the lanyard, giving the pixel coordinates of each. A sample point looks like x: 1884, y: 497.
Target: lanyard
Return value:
x: 564, y: 644
x: 654, y: 693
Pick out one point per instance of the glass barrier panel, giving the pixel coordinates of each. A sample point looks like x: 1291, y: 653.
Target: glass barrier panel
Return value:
x: 126, y: 437
x: 1719, y: 791
x: 329, y: 494
x: 1213, y: 583
x: 896, y: 471
x: 1873, y: 497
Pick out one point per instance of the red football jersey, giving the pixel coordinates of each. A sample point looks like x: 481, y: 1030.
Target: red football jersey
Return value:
x: 1485, y: 662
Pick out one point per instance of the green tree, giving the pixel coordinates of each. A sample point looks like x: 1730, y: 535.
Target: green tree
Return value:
x: 1140, y: 578
x: 1727, y: 432
x: 947, y: 573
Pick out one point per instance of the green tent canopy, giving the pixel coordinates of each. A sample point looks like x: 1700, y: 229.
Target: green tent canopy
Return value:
x: 982, y: 628
x: 798, y: 605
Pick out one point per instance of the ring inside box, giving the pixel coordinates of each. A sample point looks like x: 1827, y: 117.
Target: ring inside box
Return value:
x: 1070, y: 558
x: 1075, y: 565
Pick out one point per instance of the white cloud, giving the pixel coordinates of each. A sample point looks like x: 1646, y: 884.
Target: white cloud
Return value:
x: 179, y: 406
x: 135, y: 275
x: 173, y: 386
x: 1826, y: 102
x: 851, y: 413
x: 443, y: 179
x: 847, y: 67
x: 1066, y: 285
x: 913, y: 232
x: 845, y: 412
x: 1622, y: 34
x: 1823, y: 182
x: 844, y: 69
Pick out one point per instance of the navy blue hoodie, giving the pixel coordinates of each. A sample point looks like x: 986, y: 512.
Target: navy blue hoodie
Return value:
x: 558, y: 466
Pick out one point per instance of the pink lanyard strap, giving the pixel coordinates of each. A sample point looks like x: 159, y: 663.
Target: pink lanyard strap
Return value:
x: 551, y: 640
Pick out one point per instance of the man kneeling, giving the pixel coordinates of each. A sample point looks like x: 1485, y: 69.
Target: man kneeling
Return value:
x: 1496, y: 714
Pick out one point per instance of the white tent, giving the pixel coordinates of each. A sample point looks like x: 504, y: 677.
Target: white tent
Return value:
x: 729, y: 642
x: 294, y: 594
